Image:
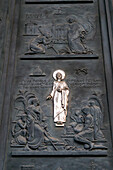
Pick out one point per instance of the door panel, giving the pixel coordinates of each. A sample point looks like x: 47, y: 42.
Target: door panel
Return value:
x: 59, y: 56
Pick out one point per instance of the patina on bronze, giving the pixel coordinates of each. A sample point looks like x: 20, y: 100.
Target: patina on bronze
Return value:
x: 56, y: 103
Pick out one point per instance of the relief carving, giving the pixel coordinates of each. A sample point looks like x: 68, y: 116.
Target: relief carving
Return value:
x: 63, y: 38
x: 31, y: 28
x: 73, y: 83
x: 30, y: 128
x: 41, y: 43
x: 59, y: 94
x: 37, y: 72
x: 81, y: 71
x: 27, y: 167
x: 86, y: 126
x: 76, y: 36
x: 30, y: 131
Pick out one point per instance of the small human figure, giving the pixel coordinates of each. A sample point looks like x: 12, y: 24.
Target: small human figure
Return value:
x: 34, y: 116
x: 76, y: 124
x: 41, y: 43
x: 87, y: 128
x: 34, y: 109
x: 91, y: 127
x: 38, y: 44
x: 76, y: 36
x: 19, y: 130
x: 37, y: 130
x: 60, y: 95
x: 98, y: 119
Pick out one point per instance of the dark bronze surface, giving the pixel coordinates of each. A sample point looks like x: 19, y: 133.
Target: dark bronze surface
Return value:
x: 44, y: 36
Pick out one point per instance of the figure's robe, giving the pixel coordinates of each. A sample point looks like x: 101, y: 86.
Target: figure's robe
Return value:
x: 73, y: 37
x: 60, y: 100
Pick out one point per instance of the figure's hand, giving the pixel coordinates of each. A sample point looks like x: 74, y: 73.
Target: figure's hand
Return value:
x: 59, y: 89
x: 49, y: 97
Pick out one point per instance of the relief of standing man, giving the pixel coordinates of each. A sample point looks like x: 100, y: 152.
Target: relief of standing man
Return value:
x: 59, y: 95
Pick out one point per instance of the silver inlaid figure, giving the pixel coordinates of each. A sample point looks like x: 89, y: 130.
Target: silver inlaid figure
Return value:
x: 59, y: 95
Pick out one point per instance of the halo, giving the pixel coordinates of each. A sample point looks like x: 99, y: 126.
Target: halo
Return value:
x: 59, y: 71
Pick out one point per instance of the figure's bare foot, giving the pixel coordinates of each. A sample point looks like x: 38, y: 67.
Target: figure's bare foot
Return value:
x: 59, y: 123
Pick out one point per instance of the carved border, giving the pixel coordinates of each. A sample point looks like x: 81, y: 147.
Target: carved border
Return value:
x: 8, y: 74
x: 106, y: 35
x: 68, y: 153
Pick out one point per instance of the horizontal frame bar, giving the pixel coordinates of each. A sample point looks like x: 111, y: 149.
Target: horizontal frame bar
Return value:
x: 66, y: 153
x: 59, y: 57
x: 58, y: 1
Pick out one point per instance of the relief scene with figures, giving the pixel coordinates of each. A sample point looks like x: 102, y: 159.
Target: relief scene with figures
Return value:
x: 59, y: 108
x: 79, y: 131
x: 60, y: 30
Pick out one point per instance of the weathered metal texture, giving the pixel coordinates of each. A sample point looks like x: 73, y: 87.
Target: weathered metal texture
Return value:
x: 6, y: 80
x: 72, y: 36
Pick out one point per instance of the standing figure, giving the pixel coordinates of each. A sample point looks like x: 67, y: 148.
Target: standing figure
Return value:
x: 60, y: 95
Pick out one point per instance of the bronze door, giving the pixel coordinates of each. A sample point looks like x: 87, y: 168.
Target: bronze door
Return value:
x: 59, y: 87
